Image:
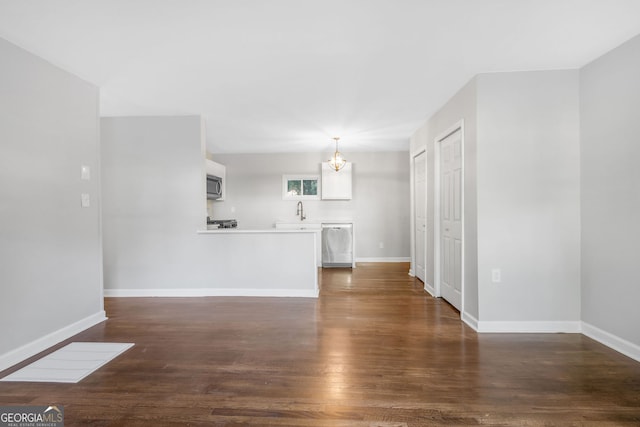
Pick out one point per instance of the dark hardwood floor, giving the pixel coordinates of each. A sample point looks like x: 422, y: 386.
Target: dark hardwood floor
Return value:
x: 373, y: 350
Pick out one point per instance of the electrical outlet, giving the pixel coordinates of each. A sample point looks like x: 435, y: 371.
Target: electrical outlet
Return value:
x: 496, y: 275
x: 381, y: 245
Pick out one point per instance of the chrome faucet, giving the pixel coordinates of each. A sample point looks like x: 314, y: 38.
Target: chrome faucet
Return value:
x: 300, y: 211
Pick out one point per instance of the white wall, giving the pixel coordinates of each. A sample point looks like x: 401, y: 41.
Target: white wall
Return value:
x: 379, y: 208
x: 529, y: 197
x: 50, y: 254
x: 610, y: 155
x: 558, y: 191
x: 462, y: 106
x: 153, y: 200
x: 521, y: 192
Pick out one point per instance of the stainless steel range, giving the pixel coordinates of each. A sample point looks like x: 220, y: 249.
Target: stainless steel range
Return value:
x: 221, y: 223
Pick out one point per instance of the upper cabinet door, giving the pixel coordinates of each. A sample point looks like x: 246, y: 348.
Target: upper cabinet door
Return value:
x: 337, y: 185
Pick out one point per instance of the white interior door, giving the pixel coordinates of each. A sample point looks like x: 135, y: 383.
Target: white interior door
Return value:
x: 451, y: 219
x: 420, y: 214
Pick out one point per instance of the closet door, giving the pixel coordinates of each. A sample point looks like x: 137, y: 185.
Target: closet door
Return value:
x: 451, y: 218
x: 420, y: 214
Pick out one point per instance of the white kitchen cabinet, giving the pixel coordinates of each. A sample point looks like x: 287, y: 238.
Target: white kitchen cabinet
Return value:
x: 336, y: 185
x: 216, y: 169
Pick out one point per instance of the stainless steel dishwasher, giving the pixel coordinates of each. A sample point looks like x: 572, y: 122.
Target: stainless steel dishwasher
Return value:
x: 337, y: 245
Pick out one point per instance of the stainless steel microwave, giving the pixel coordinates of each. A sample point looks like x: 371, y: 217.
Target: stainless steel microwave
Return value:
x: 214, y: 187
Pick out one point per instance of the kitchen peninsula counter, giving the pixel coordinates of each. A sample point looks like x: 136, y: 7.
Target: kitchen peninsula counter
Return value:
x: 261, y: 262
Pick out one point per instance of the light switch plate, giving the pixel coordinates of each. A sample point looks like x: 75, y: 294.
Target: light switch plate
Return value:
x: 85, y: 173
x: 85, y: 200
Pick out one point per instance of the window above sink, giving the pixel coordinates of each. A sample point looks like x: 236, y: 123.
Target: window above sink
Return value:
x: 301, y: 187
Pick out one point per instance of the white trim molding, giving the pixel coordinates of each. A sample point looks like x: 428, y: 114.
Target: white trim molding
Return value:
x: 529, y: 326
x: 610, y: 340
x: 20, y: 354
x: 614, y: 342
x: 470, y: 320
x: 430, y: 289
x: 385, y: 259
x: 210, y: 292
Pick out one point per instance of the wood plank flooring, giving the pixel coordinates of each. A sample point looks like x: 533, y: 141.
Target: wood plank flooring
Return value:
x: 373, y: 350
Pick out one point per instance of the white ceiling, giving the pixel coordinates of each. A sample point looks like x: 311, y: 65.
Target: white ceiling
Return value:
x: 287, y: 75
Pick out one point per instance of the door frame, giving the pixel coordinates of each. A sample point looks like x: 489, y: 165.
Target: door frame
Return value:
x: 437, y: 236
x: 427, y: 287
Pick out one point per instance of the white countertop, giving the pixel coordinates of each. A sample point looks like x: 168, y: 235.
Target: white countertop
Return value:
x: 243, y: 230
x: 317, y: 221
x: 251, y: 231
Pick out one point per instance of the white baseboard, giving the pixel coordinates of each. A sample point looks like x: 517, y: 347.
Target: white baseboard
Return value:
x: 529, y: 327
x: 470, y: 320
x: 211, y: 292
x: 411, y: 273
x: 387, y: 259
x: 13, y: 357
x: 612, y: 341
x: 430, y: 289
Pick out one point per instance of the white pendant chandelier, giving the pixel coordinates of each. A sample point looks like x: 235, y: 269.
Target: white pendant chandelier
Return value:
x: 337, y: 162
